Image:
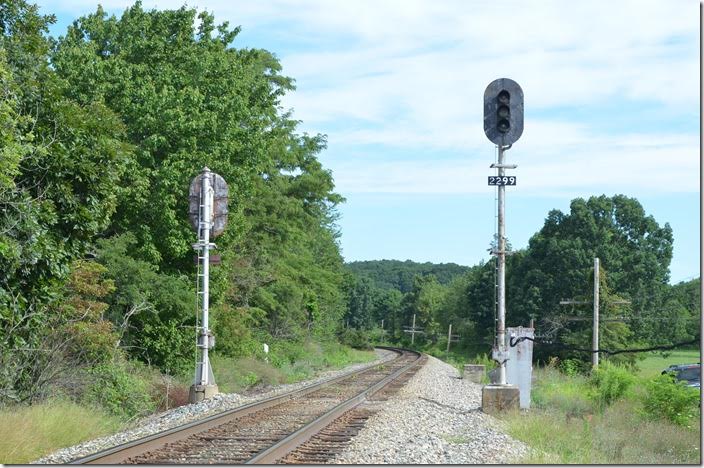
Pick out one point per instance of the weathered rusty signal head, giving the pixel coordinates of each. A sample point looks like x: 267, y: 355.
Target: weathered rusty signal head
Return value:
x: 503, y: 111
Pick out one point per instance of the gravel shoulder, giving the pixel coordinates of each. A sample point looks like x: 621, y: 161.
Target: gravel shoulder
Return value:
x: 436, y: 418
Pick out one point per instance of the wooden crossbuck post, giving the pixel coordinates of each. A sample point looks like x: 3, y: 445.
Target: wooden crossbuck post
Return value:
x: 413, y: 329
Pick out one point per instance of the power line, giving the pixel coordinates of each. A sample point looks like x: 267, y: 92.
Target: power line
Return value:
x: 513, y: 343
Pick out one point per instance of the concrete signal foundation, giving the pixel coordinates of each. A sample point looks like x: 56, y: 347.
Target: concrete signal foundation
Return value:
x: 474, y: 372
x: 499, y: 398
x: 199, y: 393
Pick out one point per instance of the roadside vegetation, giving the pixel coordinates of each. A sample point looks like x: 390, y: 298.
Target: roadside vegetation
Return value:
x: 30, y: 432
x: 120, y: 395
x: 615, y: 415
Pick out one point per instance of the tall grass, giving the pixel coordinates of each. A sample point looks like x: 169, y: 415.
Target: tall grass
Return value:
x: 28, y: 433
x: 571, y: 422
x: 286, y: 364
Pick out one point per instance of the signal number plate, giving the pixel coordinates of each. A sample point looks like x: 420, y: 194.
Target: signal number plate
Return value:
x: 505, y: 180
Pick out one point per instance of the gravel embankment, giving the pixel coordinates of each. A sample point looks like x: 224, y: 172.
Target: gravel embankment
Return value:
x: 435, y: 418
x: 185, y: 414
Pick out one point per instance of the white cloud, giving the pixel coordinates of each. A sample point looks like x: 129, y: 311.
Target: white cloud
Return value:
x: 629, y: 164
x: 410, y: 75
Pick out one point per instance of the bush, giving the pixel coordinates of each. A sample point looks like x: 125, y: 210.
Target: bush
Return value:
x: 168, y: 393
x: 119, y: 389
x: 239, y: 374
x: 572, y: 367
x: 610, y: 382
x: 355, y: 338
x: 554, y: 391
x: 672, y: 400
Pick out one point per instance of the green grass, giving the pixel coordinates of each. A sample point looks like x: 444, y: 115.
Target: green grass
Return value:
x: 655, y: 363
x: 303, y: 362
x: 616, y: 436
x: 30, y: 432
x: 565, y: 425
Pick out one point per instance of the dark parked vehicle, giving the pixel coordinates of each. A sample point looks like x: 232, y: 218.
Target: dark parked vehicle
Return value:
x: 689, y: 373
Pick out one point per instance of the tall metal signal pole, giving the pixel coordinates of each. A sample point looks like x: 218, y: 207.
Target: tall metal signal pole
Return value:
x: 208, y: 196
x: 503, y: 125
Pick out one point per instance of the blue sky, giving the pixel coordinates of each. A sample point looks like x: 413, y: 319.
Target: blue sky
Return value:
x: 612, y: 100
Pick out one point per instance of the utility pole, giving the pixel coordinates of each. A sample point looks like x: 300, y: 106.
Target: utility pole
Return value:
x: 501, y: 253
x: 451, y: 338
x: 595, y: 324
x: 413, y: 329
x: 595, y: 314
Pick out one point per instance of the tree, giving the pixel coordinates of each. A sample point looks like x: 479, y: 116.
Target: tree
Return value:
x: 424, y: 301
x: 558, y: 264
x: 189, y: 99
x: 151, y: 311
x: 360, y: 305
x: 61, y: 166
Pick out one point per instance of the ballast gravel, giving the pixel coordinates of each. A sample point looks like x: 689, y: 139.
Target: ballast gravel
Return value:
x: 435, y: 418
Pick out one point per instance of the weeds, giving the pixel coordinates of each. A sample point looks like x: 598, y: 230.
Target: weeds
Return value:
x: 600, y: 420
x: 30, y: 432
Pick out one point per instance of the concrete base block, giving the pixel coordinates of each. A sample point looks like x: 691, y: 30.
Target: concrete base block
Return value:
x: 498, y: 398
x: 201, y: 392
x: 473, y: 372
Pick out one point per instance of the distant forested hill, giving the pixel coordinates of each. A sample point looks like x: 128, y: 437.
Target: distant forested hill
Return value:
x: 395, y: 274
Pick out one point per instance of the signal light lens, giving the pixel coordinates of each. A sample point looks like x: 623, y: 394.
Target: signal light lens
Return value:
x: 503, y: 126
x: 503, y: 112
x: 504, y: 97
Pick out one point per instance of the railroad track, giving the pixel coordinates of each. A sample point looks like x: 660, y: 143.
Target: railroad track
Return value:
x: 309, y: 425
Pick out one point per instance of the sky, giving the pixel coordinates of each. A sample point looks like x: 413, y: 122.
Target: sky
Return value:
x: 611, y: 97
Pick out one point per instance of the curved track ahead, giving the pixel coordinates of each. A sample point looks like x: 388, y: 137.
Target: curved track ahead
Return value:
x: 305, y: 426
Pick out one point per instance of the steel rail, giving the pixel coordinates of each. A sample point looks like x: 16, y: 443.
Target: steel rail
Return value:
x: 302, y: 435
x: 115, y: 455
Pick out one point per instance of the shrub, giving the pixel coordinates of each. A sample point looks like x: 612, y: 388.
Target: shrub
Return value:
x: 119, y: 390
x: 355, y: 338
x: 238, y: 374
x: 572, y: 367
x: 168, y: 393
x: 610, y: 382
x: 555, y: 391
x: 484, y: 359
x: 672, y: 400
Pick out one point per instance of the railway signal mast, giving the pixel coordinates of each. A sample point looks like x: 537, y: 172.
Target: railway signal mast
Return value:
x: 208, y: 195
x: 503, y: 126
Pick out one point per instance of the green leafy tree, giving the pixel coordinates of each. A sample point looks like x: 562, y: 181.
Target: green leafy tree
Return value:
x: 632, y: 247
x: 360, y: 305
x: 152, y: 312
x: 424, y: 301
x: 189, y: 99
x: 396, y: 274
x: 62, y: 162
